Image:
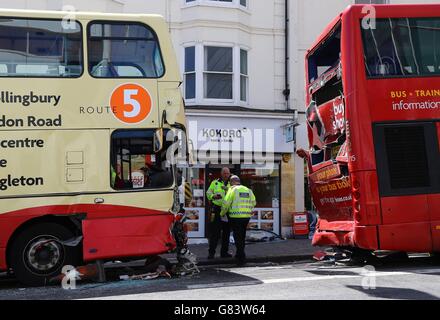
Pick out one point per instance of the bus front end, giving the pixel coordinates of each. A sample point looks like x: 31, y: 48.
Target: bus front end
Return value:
x: 373, y: 95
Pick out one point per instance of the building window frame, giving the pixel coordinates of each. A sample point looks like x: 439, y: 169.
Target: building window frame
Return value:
x: 244, y: 75
x: 237, y: 4
x: 201, y: 72
x: 188, y: 72
x: 206, y: 72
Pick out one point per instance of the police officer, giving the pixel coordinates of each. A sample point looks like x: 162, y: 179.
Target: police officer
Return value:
x: 216, y: 192
x: 237, y: 206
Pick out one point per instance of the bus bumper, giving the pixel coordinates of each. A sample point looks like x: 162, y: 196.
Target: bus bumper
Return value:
x: 3, y: 265
x: 127, y: 237
x: 333, y: 238
x: 364, y: 237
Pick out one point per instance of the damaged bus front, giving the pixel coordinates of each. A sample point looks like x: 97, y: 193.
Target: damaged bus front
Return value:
x: 92, y: 117
x: 373, y: 94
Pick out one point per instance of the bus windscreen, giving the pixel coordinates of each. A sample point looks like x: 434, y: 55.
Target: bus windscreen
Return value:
x: 402, y: 47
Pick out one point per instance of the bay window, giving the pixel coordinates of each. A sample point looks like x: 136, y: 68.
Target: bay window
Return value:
x: 236, y: 3
x: 216, y: 74
x: 190, y: 73
x: 243, y: 75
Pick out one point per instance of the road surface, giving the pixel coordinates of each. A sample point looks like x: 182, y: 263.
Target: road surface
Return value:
x: 417, y: 278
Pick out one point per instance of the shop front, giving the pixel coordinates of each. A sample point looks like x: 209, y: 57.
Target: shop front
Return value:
x: 256, y: 150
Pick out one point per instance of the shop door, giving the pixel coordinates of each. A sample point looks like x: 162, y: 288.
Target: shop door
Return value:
x: 214, y: 172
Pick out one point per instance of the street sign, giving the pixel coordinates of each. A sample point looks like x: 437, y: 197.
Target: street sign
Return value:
x: 289, y: 132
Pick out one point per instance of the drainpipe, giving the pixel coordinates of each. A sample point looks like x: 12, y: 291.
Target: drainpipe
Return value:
x: 286, y: 90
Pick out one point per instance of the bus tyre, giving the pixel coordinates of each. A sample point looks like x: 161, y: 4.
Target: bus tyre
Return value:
x: 37, y: 256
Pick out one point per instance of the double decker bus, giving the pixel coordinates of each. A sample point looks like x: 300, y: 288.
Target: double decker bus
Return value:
x: 89, y: 106
x: 373, y: 95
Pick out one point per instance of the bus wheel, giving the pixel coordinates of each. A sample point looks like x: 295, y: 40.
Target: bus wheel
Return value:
x: 37, y: 255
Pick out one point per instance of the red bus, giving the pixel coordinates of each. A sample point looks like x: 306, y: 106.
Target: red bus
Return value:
x: 373, y: 95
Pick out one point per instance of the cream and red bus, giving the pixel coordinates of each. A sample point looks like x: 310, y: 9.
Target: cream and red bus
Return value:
x: 87, y: 101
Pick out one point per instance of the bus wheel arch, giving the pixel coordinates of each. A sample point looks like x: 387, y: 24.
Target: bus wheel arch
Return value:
x: 52, y: 227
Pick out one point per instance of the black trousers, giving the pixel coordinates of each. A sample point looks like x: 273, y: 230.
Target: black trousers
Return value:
x: 217, y: 229
x: 239, y: 226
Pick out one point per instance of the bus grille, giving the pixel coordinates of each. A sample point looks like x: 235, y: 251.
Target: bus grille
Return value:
x: 407, y: 157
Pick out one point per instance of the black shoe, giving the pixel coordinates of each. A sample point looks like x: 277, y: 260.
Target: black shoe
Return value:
x: 226, y: 255
x: 210, y: 257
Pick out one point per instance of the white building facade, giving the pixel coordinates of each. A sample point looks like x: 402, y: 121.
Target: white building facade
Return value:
x: 243, y: 88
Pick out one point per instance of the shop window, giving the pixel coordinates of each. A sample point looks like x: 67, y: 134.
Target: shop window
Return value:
x: 192, y: 197
x: 265, y: 184
x: 128, y: 50
x: 135, y: 165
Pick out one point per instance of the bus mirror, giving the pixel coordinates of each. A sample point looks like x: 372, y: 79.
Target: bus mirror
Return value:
x: 158, y: 140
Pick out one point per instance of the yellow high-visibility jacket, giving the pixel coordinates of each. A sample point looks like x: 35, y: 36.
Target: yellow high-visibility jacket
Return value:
x: 239, y: 202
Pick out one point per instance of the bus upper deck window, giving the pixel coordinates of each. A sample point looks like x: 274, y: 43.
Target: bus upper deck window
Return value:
x: 123, y: 50
x: 40, y: 48
x: 402, y: 47
x: 325, y: 56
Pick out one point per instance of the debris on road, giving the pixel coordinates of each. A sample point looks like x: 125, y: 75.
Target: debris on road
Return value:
x: 161, y: 272
x: 260, y: 235
x: 320, y: 255
x: 87, y: 272
x: 154, y: 267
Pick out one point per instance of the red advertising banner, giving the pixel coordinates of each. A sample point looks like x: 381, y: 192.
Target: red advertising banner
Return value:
x: 332, y: 198
x: 332, y: 117
x: 325, y: 174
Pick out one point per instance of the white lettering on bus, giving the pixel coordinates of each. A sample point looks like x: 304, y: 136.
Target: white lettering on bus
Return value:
x: 423, y: 105
x: 128, y: 94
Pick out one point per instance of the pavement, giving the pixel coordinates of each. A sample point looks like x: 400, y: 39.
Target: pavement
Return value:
x: 273, y: 251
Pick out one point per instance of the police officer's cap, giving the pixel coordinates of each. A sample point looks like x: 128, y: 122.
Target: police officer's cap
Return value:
x: 235, y: 178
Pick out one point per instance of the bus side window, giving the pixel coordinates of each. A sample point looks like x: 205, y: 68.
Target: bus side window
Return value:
x: 40, y: 48
x: 135, y: 165
x: 123, y: 50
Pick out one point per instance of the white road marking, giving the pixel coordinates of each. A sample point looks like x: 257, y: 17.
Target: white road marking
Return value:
x: 224, y: 284
x: 358, y: 271
x: 330, y: 277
